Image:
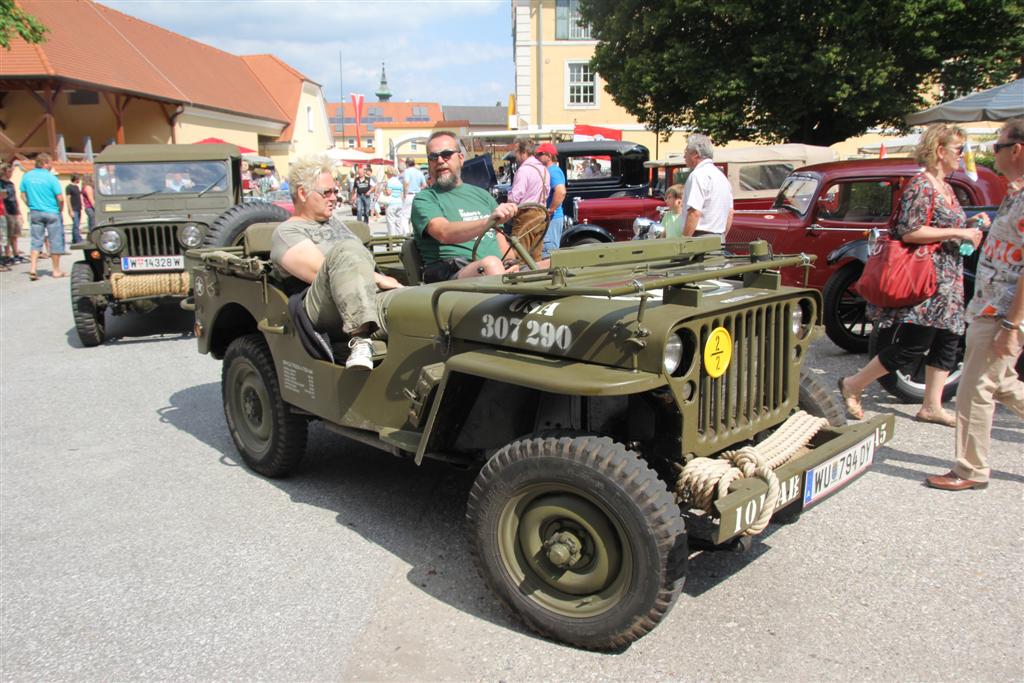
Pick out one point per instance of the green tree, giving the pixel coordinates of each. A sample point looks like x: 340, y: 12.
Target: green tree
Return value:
x: 13, y: 19
x: 797, y: 70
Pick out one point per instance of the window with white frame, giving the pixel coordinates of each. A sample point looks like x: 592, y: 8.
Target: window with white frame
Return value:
x: 309, y: 119
x: 580, y: 85
x: 568, y: 25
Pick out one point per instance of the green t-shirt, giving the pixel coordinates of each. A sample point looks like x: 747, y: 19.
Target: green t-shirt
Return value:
x: 462, y: 203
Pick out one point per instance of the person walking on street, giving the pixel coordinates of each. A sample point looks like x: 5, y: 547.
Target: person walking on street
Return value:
x: 547, y: 153
x: 88, y: 201
x: 362, y: 198
x: 391, y: 201
x: 42, y: 193
x: 929, y: 214
x: 13, y: 213
x: 74, y: 193
x: 531, y: 182
x: 413, y: 181
x: 708, y: 196
x: 996, y: 332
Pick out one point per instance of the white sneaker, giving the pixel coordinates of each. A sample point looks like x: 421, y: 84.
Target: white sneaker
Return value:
x: 360, y: 353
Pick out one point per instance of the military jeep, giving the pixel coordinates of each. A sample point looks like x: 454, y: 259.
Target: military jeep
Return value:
x: 630, y: 403
x: 152, y: 202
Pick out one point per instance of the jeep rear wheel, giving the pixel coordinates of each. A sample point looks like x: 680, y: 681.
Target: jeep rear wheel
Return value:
x: 269, y: 437
x: 228, y: 228
x: 90, y: 318
x: 579, y: 538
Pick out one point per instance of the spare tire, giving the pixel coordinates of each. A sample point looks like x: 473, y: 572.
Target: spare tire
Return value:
x: 228, y: 228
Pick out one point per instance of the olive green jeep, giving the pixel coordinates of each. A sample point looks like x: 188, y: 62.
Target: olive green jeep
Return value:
x: 616, y: 404
x: 152, y: 202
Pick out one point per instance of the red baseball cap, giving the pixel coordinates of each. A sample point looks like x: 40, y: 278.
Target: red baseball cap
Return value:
x: 546, y: 148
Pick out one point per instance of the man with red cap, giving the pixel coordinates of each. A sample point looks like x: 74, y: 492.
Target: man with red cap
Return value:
x: 547, y: 153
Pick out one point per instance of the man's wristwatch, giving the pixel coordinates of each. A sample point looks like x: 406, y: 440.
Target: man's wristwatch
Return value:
x: 1008, y: 325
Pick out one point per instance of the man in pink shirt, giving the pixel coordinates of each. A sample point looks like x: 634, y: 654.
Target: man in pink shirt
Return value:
x: 531, y: 182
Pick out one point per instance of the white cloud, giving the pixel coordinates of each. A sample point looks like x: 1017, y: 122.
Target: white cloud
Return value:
x: 448, y: 51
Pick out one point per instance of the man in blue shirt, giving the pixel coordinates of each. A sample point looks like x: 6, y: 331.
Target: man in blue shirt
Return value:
x: 41, y: 191
x: 548, y: 155
x: 412, y: 182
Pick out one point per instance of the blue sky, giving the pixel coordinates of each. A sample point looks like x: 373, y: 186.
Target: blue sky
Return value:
x: 448, y: 51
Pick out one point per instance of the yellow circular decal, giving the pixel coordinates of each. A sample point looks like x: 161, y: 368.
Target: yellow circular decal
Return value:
x: 718, y: 352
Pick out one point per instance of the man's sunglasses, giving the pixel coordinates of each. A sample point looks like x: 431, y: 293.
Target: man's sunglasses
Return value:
x: 445, y: 154
x: 999, y: 146
x: 326, y: 192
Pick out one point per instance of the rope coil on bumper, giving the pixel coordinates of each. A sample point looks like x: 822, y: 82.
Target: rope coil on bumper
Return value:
x: 126, y: 286
x: 703, y: 480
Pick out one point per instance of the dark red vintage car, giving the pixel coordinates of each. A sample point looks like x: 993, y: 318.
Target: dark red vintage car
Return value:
x: 829, y: 210
x: 755, y: 174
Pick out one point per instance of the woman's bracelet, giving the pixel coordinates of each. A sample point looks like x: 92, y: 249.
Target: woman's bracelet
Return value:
x: 1008, y: 325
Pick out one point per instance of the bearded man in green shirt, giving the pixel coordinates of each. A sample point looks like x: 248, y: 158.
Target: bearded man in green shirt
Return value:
x: 448, y: 216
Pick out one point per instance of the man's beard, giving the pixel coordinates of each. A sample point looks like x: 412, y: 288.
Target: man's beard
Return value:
x: 448, y: 181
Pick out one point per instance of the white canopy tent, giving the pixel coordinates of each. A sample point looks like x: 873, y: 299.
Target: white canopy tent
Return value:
x: 995, y: 104
x: 337, y: 154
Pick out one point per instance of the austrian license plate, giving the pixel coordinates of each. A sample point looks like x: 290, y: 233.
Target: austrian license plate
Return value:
x: 835, y: 472
x: 152, y: 263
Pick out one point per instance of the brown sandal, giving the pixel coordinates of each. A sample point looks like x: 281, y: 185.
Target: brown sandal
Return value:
x: 850, y: 402
x: 33, y: 276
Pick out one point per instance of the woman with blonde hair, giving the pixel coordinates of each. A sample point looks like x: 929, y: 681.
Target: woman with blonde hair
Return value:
x: 929, y: 214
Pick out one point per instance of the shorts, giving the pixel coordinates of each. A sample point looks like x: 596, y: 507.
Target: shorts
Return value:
x: 446, y: 269
x: 43, y: 224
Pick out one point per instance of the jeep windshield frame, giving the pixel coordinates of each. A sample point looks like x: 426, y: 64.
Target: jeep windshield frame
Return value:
x: 798, y: 192
x: 136, y: 180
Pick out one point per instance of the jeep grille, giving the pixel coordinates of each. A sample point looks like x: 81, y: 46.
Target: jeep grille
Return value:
x: 755, y: 386
x: 151, y: 240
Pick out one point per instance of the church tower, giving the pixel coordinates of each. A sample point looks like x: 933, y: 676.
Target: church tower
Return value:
x: 383, y: 93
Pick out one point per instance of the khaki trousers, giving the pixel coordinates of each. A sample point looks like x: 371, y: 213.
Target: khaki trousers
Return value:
x: 986, y: 379
x: 343, y: 295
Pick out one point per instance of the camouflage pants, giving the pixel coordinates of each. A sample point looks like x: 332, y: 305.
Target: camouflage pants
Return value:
x: 343, y: 294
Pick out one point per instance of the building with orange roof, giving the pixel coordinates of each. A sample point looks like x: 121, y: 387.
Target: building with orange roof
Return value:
x: 103, y: 76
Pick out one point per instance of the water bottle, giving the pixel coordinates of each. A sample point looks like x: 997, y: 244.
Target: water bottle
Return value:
x: 966, y: 249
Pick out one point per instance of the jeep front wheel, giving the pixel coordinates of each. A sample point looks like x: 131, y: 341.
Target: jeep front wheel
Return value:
x: 90, y: 318
x: 579, y: 537
x: 270, y: 438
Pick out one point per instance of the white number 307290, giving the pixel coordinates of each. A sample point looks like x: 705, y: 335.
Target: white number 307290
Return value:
x: 545, y: 335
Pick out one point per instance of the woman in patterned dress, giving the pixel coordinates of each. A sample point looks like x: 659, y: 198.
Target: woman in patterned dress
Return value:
x: 929, y: 214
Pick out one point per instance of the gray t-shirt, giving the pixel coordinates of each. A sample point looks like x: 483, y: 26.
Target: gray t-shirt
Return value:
x: 292, y: 232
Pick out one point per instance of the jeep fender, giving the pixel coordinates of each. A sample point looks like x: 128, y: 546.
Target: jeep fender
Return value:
x: 858, y: 249
x: 582, y: 230
x: 528, y: 372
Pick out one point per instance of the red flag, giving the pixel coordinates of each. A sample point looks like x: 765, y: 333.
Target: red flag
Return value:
x: 585, y: 132
x: 882, y: 153
x: 357, y: 112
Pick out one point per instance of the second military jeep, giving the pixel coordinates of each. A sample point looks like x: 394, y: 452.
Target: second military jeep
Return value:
x: 152, y: 202
x: 615, y: 405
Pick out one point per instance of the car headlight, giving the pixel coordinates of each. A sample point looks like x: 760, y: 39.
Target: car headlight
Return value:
x: 110, y: 241
x: 641, y: 226
x: 191, y: 235
x: 673, y: 354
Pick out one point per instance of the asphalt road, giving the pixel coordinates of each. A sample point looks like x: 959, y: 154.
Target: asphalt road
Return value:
x: 134, y: 546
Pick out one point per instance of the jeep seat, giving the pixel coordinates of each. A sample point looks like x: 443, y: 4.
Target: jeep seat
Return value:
x: 258, y: 239
x: 412, y: 261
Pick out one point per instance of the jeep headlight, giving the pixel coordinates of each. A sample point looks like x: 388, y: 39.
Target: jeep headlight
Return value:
x: 800, y: 318
x: 110, y: 241
x: 191, y: 235
x: 673, y: 354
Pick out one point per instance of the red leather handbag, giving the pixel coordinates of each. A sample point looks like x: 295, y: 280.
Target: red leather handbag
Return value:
x: 897, y: 275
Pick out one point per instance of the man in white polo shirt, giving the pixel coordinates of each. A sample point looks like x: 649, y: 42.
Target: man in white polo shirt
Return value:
x: 708, y: 197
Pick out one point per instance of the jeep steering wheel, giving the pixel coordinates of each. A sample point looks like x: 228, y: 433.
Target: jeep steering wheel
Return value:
x: 520, y: 250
